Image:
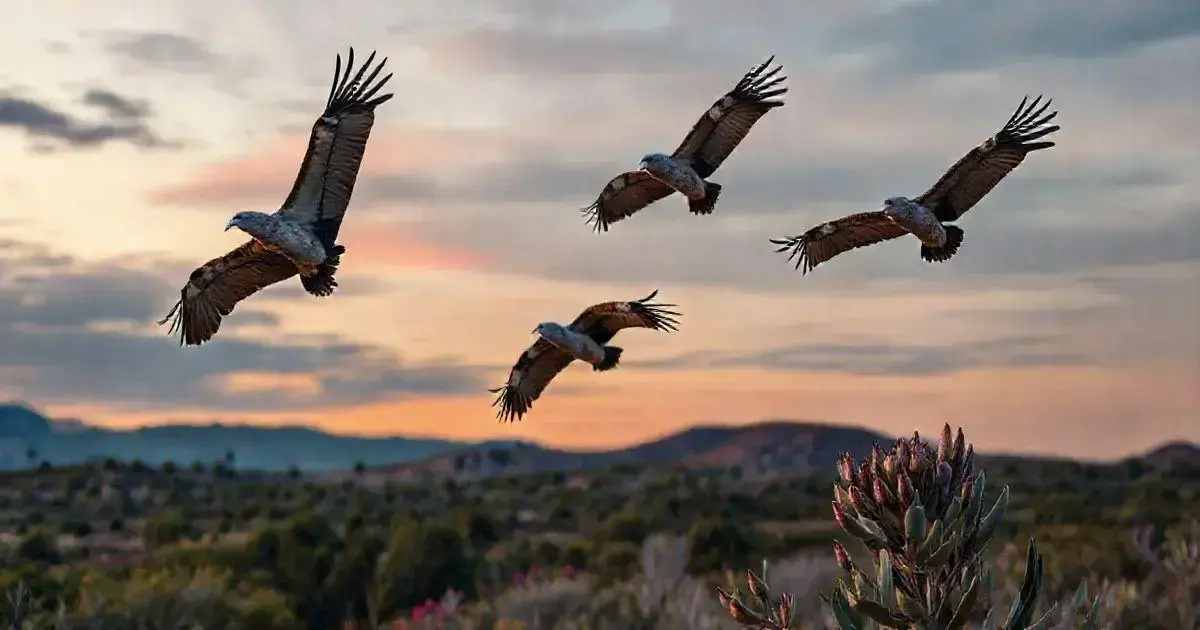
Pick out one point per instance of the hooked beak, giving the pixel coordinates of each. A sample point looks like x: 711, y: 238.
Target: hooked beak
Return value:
x: 232, y: 222
x: 534, y: 331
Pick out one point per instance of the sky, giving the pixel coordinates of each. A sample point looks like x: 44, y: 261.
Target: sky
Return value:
x: 1067, y: 323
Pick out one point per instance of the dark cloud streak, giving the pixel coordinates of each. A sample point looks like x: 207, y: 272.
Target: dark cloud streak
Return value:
x: 126, y: 121
x: 76, y: 333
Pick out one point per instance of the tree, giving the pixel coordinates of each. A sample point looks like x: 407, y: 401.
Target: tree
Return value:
x: 39, y: 546
x: 423, y: 561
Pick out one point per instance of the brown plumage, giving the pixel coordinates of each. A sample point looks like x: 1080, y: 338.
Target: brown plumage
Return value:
x: 830, y: 239
x: 956, y: 192
x: 321, y: 192
x: 539, y: 364
x: 707, y: 145
x: 978, y: 172
x: 723, y: 127
x: 316, y: 205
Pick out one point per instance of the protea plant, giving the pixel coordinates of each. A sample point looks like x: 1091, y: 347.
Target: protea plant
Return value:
x: 920, y: 512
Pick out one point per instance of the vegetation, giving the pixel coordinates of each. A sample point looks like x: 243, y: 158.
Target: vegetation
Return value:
x: 921, y: 538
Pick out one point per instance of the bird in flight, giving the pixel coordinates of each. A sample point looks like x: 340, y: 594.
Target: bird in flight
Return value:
x: 718, y: 132
x: 300, y: 237
x: 584, y: 339
x: 928, y: 217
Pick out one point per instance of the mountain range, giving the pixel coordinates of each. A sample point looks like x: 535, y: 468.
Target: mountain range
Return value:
x: 27, y: 438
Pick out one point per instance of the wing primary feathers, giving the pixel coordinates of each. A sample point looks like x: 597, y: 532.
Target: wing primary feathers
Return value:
x: 592, y: 217
x: 796, y: 245
x: 357, y: 92
x: 658, y: 316
x: 758, y: 85
x: 1027, y: 124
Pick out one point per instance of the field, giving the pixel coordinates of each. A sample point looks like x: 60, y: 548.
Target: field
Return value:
x: 125, y: 545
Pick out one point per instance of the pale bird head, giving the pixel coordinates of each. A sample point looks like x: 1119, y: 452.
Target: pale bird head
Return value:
x: 541, y: 328
x: 248, y: 221
x: 651, y: 161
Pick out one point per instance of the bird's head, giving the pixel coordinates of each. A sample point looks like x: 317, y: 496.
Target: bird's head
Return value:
x: 898, y: 205
x: 250, y: 222
x: 652, y: 162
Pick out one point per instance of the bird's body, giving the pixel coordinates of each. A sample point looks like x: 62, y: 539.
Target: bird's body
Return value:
x: 917, y: 220
x: 711, y: 140
x: 677, y: 174
x: 930, y: 217
x: 285, y: 236
x: 300, y: 238
x: 585, y: 339
x: 576, y: 344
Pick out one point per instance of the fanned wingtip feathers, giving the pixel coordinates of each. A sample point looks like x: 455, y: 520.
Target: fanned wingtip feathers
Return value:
x: 350, y: 92
x: 794, y: 245
x: 592, y: 216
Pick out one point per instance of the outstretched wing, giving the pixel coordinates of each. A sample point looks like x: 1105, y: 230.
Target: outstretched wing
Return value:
x: 321, y: 193
x: 216, y: 287
x: 978, y: 172
x: 726, y: 123
x: 830, y: 239
x: 528, y: 378
x: 624, y: 195
x: 602, y: 321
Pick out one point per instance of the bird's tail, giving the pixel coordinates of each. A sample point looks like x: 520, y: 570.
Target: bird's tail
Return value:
x: 612, y: 356
x: 322, y: 283
x: 954, y: 238
x: 709, y: 202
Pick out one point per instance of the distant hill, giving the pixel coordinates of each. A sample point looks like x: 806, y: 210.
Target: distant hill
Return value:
x: 773, y: 445
x: 776, y: 445
x: 60, y: 442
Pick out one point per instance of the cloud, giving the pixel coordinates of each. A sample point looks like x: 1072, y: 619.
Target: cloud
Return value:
x: 963, y: 34
x: 80, y: 333
x: 125, y: 121
x: 167, y: 51
x: 876, y: 358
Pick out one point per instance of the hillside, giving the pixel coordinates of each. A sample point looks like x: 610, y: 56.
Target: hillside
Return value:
x: 25, y: 432
x: 774, y: 445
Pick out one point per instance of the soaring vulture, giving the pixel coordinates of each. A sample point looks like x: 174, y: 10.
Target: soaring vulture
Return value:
x: 299, y: 238
x: 707, y: 145
x: 584, y: 339
x: 927, y: 216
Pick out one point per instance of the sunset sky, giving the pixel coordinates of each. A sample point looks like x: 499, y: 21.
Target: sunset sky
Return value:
x: 1067, y: 323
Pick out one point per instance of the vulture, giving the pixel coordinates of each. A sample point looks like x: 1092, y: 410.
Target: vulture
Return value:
x: 927, y: 217
x: 299, y: 238
x: 718, y: 132
x: 584, y: 339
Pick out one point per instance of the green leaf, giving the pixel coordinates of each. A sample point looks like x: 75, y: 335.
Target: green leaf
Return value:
x: 880, y: 614
x: 1022, y: 610
x: 954, y: 509
x: 915, y: 524
x: 966, y: 605
x: 1044, y: 621
x: 990, y: 522
x: 887, y: 587
x: 933, y: 539
x: 845, y: 616
x: 942, y: 555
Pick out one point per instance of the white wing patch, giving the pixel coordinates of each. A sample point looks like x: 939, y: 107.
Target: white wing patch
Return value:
x: 514, y: 379
x: 827, y: 229
x: 715, y: 113
x: 618, y: 184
